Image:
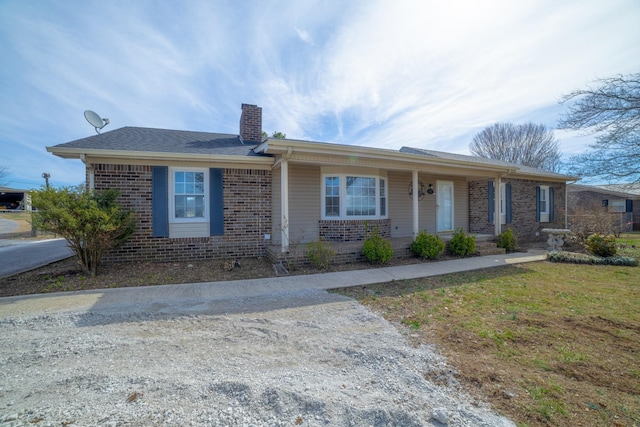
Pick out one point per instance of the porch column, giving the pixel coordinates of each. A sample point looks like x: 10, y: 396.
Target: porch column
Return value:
x: 496, y: 205
x: 415, y: 195
x: 284, y: 205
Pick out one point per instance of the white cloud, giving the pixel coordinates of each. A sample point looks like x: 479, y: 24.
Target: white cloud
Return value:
x: 380, y: 73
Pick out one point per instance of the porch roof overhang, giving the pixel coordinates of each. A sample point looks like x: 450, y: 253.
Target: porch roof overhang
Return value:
x: 137, y: 157
x: 319, y: 153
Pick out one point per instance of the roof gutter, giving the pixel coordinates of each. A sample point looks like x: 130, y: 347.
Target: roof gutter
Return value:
x: 74, y: 153
x: 286, y: 147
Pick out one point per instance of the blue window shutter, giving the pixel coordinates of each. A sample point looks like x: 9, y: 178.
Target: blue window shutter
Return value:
x: 160, y: 201
x: 629, y: 203
x: 538, y: 203
x: 216, y: 202
x: 491, y: 202
x: 552, y: 214
x: 507, y: 196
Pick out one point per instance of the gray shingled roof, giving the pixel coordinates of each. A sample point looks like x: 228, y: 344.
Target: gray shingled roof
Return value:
x: 164, y: 141
x: 481, y: 160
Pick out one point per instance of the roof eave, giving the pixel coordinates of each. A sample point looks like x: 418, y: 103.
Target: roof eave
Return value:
x: 76, y: 153
x: 287, y: 146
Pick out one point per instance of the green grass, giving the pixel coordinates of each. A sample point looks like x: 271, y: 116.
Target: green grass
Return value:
x: 560, y: 336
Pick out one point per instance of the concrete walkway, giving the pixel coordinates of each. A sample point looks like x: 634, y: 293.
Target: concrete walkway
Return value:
x: 194, y: 298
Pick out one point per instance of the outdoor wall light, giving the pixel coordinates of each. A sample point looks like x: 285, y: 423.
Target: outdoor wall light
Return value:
x: 430, y: 190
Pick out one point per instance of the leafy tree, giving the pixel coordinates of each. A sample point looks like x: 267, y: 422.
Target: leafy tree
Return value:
x: 275, y: 134
x: 92, y: 222
x: 527, y: 144
x: 4, y: 173
x: 611, y: 110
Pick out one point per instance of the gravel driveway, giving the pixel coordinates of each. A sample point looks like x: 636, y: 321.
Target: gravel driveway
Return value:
x: 305, y: 358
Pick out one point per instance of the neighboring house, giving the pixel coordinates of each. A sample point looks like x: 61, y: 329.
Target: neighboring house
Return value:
x: 204, y: 195
x: 622, y: 206
x: 14, y: 199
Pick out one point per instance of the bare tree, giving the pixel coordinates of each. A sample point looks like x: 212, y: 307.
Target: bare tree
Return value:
x: 4, y: 173
x: 611, y: 111
x: 528, y: 144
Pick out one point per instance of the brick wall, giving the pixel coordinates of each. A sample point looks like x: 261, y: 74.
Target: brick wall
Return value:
x: 352, y: 230
x: 247, y: 216
x: 523, y: 208
x: 251, y: 123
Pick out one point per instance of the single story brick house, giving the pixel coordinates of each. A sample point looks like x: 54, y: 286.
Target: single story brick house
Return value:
x: 621, y: 202
x: 201, y: 195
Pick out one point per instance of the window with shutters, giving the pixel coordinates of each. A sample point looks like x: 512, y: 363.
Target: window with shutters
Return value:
x: 188, y: 197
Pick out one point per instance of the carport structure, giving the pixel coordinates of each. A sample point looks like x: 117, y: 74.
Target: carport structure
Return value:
x: 14, y: 199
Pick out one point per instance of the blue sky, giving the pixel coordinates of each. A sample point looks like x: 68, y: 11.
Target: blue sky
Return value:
x: 388, y: 73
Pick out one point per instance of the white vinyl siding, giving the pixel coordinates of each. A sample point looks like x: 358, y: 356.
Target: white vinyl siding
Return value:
x: 304, y: 204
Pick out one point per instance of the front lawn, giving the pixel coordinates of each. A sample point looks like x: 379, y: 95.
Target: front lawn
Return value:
x: 547, y: 344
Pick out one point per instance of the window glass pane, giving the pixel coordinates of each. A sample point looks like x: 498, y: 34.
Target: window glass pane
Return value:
x: 332, y: 196
x: 189, y: 195
x: 361, y: 196
x: 543, y: 200
x: 383, y: 198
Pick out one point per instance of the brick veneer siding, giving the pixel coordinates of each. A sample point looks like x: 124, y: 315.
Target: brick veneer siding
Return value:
x: 352, y: 230
x: 251, y: 123
x: 523, y: 208
x: 247, y: 216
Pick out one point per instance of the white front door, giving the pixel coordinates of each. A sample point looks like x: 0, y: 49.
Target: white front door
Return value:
x: 444, y: 205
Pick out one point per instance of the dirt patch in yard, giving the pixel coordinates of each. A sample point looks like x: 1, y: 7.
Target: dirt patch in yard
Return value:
x: 547, y: 344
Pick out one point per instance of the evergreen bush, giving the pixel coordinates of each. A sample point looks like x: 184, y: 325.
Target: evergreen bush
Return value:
x: 576, y: 258
x: 508, y: 240
x: 376, y: 249
x: 461, y: 243
x: 427, y: 245
x: 601, y: 245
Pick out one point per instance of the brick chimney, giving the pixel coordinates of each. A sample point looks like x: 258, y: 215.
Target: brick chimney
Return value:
x: 251, y: 123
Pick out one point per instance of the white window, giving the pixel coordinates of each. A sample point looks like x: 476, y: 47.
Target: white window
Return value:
x: 188, y: 197
x: 347, y: 196
x: 543, y: 203
x: 617, y: 206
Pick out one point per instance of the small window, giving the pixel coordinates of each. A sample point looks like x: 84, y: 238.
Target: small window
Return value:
x: 544, y: 203
x: 383, y: 198
x: 332, y: 196
x: 544, y: 200
x: 617, y: 206
x: 189, y: 198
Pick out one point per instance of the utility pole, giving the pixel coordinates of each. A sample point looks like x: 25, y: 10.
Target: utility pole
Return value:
x: 46, y: 177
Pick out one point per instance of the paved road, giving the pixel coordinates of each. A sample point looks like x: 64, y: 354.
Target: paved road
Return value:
x: 7, y: 226
x: 26, y: 255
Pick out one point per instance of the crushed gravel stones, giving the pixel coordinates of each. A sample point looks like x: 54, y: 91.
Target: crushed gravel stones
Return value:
x: 293, y: 359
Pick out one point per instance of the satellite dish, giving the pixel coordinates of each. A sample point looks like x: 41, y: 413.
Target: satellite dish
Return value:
x: 95, y: 120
